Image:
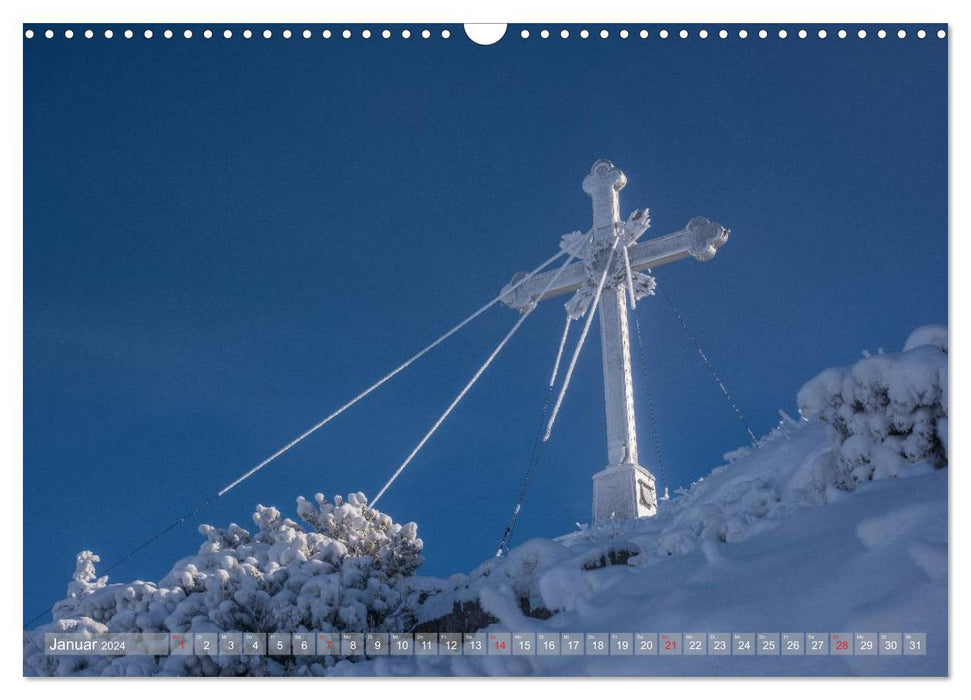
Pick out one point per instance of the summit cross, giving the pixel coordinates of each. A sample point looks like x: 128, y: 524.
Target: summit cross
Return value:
x: 611, y: 261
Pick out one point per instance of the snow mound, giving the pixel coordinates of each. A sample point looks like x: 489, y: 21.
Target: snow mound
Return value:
x: 889, y: 411
x: 935, y: 336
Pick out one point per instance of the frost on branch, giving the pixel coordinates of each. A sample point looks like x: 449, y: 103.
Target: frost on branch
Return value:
x: 889, y: 411
x: 84, y: 582
x: 343, y: 569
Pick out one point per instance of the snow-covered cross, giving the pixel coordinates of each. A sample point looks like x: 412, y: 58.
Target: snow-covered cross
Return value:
x: 611, y: 265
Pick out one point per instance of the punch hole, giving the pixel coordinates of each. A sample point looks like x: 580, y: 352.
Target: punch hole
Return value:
x: 29, y: 34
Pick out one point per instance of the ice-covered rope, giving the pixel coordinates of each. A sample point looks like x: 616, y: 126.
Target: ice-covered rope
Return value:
x: 470, y: 384
x: 455, y: 329
x: 293, y: 443
x: 591, y: 311
x: 559, y: 353
x: 630, y: 280
x: 711, y: 368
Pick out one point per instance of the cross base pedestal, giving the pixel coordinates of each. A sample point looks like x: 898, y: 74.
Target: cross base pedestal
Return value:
x: 623, y: 492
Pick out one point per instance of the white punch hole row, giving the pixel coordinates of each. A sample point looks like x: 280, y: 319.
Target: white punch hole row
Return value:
x: 487, y: 34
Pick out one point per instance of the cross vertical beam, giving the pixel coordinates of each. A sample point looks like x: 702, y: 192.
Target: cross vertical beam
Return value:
x: 625, y: 489
x: 618, y: 381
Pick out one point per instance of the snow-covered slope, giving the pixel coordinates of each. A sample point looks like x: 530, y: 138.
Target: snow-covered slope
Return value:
x: 743, y: 551
x: 836, y: 522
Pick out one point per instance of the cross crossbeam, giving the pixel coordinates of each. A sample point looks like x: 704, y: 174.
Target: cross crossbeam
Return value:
x: 699, y: 239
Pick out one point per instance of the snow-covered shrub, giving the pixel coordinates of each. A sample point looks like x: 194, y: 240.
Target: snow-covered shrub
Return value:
x: 341, y: 571
x: 888, y: 411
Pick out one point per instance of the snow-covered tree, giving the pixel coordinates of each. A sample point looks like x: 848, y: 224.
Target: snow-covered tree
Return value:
x: 888, y: 411
x: 340, y: 571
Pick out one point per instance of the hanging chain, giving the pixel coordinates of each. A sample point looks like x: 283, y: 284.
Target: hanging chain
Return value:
x: 158, y: 535
x: 538, y: 443
x: 530, y: 468
x: 711, y: 369
x: 650, y: 403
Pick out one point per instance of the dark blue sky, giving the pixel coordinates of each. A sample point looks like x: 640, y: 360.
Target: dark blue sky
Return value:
x: 225, y: 240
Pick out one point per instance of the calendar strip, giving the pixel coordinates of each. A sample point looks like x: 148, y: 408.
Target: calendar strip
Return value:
x: 377, y: 644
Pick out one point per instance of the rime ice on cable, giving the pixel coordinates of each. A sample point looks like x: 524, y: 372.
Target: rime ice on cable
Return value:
x: 611, y: 266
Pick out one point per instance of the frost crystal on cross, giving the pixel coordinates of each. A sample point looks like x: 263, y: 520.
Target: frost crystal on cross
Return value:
x: 611, y: 259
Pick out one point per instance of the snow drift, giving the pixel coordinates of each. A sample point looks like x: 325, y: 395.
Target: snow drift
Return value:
x: 835, y: 522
